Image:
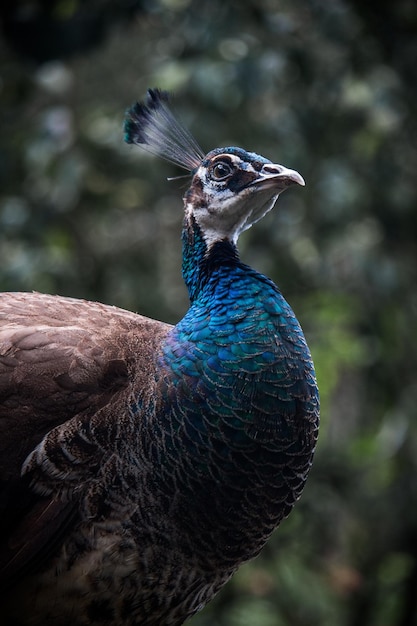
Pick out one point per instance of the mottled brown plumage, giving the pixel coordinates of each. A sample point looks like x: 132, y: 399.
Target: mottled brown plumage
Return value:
x: 59, y: 358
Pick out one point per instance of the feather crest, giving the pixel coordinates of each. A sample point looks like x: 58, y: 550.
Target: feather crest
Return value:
x: 152, y: 125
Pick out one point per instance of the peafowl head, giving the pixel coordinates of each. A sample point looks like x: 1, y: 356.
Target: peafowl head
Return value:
x: 231, y: 188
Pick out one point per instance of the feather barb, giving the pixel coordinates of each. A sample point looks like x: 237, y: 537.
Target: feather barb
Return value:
x: 152, y: 125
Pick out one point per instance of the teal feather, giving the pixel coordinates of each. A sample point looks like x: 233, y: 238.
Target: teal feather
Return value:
x: 244, y: 383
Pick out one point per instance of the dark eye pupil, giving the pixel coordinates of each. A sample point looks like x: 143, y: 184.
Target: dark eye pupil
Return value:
x: 221, y: 170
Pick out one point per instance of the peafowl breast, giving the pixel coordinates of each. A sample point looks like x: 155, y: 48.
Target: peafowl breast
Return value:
x: 141, y: 463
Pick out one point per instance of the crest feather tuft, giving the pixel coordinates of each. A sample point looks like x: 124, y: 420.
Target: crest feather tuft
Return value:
x: 152, y: 125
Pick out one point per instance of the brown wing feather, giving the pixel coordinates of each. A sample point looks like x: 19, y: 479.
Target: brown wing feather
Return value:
x: 59, y: 358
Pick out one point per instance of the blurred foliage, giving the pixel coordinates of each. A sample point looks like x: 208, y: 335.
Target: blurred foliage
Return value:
x: 329, y: 88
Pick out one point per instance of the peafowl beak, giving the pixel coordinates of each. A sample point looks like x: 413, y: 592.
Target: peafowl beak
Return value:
x: 274, y: 176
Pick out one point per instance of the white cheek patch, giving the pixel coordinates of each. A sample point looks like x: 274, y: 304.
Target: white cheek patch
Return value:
x: 224, y: 216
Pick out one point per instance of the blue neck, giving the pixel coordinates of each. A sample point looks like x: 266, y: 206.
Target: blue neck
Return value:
x: 198, y: 262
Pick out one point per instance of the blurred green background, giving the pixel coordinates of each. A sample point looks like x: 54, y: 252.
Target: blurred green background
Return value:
x: 326, y: 87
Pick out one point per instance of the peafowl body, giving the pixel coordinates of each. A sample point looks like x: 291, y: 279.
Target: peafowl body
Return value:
x: 142, y: 463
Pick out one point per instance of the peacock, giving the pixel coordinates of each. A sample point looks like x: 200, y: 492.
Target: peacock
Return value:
x: 142, y: 463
